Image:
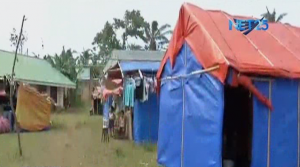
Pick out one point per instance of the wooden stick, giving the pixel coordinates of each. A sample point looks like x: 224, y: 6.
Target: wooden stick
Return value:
x: 12, y: 89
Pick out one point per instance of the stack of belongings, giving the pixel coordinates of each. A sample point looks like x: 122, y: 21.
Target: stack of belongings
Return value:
x: 33, y: 109
x: 4, y: 125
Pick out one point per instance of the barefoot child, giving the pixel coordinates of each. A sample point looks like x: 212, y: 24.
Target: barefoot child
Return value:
x: 111, y: 121
x: 105, y: 135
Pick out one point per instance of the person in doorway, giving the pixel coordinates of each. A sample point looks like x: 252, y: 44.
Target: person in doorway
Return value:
x: 105, y: 135
x: 122, y: 124
x: 111, y: 122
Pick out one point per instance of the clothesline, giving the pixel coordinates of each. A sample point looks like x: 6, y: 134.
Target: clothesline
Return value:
x: 191, y: 74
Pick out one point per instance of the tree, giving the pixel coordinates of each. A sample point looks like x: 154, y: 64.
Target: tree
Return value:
x: 106, y: 41
x: 271, y: 17
x: 85, y: 58
x: 14, y: 36
x: 65, y: 63
x: 156, y: 36
x: 132, y: 24
x: 135, y: 47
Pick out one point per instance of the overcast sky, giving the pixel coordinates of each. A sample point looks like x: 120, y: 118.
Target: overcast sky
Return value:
x: 74, y: 23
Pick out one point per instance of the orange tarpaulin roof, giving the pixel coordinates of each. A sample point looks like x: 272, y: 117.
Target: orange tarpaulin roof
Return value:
x: 275, y: 52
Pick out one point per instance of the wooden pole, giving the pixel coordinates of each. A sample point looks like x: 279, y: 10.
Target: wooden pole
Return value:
x: 12, y: 84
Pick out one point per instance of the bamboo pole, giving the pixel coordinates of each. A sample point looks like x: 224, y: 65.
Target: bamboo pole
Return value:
x: 12, y: 84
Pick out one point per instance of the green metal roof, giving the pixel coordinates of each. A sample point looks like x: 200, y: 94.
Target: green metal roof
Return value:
x: 130, y: 55
x: 85, y: 74
x: 33, y: 71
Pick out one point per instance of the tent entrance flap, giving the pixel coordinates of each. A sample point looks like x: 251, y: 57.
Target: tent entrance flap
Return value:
x: 237, y: 126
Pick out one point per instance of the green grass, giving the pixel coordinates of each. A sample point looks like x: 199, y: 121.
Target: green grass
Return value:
x: 74, y: 141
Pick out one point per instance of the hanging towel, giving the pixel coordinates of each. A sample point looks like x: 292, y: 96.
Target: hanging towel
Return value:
x: 129, y: 93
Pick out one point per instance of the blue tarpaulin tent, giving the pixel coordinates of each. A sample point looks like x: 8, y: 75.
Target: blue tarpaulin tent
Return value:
x: 191, y: 119
x: 194, y: 101
x: 145, y: 114
x: 145, y: 121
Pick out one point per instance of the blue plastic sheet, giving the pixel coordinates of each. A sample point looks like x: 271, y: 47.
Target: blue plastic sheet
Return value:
x: 191, y: 116
x: 170, y: 119
x: 284, y: 124
x: 145, y: 66
x: 260, y: 128
x: 145, y: 122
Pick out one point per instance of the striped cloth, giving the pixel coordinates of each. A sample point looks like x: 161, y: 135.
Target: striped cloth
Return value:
x: 4, y: 125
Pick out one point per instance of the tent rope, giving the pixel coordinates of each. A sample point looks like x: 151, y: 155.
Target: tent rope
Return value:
x: 191, y: 74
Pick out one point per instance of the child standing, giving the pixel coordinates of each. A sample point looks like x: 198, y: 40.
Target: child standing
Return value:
x: 105, y: 136
x: 111, y: 122
x: 122, y: 124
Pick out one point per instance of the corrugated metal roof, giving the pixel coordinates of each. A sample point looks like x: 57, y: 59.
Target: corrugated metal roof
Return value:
x: 274, y: 52
x: 128, y: 55
x: 33, y: 70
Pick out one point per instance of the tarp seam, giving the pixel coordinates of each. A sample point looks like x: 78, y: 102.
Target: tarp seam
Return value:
x: 283, y: 45
x: 291, y: 31
x: 205, y: 31
x: 221, y: 33
x: 251, y: 42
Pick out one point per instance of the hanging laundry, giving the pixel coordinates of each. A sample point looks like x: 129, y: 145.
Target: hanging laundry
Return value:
x: 145, y: 90
x: 155, y: 84
x: 151, y: 84
x: 139, y: 88
x: 129, y: 92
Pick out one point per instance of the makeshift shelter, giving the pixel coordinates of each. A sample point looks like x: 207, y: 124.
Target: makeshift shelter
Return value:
x: 33, y: 109
x: 141, y: 66
x: 211, y: 76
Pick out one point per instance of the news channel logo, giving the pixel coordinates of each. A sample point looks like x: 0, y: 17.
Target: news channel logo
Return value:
x: 247, y: 26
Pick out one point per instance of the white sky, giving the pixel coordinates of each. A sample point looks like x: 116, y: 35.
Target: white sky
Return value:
x: 74, y: 23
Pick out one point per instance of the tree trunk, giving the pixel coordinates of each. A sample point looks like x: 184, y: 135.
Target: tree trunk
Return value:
x: 152, y: 45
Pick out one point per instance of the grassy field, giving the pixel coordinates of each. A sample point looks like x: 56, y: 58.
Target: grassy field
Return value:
x: 74, y: 141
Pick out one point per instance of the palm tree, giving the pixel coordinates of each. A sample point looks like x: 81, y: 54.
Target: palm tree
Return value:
x: 65, y: 63
x: 155, y: 35
x: 85, y: 57
x: 271, y: 17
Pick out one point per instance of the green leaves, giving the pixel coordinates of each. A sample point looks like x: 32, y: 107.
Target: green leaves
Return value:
x: 271, y: 17
x: 14, y: 37
x: 106, y: 41
x: 156, y: 36
x: 65, y: 63
x: 133, y: 25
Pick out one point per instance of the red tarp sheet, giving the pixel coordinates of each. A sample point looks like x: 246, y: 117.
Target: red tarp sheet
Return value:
x: 275, y: 52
